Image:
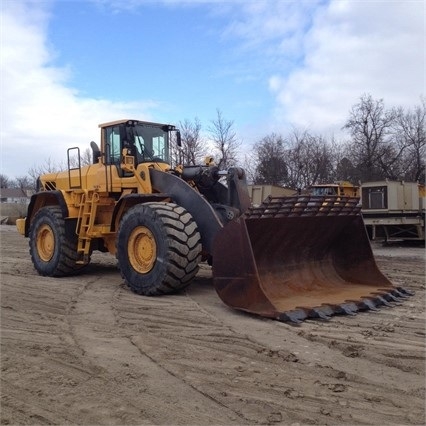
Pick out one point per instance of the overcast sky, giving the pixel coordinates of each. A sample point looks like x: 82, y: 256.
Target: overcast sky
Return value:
x: 68, y: 65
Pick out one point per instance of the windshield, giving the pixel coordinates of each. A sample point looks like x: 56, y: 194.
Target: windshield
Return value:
x: 151, y: 142
x: 324, y: 191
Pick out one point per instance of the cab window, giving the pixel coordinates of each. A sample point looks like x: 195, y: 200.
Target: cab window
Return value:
x: 151, y: 143
x: 113, y: 145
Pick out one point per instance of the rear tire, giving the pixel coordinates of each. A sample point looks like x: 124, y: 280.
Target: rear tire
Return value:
x: 158, y: 248
x: 53, y: 251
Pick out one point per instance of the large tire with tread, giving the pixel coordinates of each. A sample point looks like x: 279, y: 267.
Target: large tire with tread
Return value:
x: 158, y: 248
x: 53, y: 251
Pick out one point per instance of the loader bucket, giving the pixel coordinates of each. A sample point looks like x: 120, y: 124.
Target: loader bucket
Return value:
x: 300, y: 257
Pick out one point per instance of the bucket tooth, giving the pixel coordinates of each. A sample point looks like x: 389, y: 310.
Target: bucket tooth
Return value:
x: 392, y: 295
x: 400, y: 294
x: 391, y: 298
x: 367, y: 304
x: 296, y: 316
x: 327, y: 310
x: 320, y: 312
x: 383, y: 301
x: 405, y: 291
x: 347, y: 308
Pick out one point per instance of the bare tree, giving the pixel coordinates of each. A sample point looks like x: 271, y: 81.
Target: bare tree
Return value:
x: 224, y: 141
x: 370, y: 127
x: 297, y: 161
x: 4, y: 181
x: 269, y: 154
x: 192, y: 151
x: 250, y: 166
x: 410, y: 133
x: 49, y: 166
x: 309, y: 159
x: 86, y: 158
x: 341, y: 168
x: 23, y: 182
x: 345, y: 169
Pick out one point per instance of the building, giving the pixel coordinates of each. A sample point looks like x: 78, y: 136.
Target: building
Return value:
x: 14, y: 196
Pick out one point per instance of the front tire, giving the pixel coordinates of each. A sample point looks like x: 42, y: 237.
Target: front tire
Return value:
x: 53, y: 251
x: 158, y: 248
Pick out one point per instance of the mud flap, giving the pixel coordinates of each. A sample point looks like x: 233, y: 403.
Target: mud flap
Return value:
x: 294, y: 258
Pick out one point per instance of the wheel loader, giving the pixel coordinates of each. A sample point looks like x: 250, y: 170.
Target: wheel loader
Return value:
x: 290, y: 258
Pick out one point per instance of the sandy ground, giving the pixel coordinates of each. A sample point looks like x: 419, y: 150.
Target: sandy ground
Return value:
x: 84, y: 350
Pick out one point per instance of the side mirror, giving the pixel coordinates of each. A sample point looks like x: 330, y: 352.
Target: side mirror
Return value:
x: 178, y: 138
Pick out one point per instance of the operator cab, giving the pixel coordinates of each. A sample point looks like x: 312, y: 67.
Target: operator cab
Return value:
x: 145, y: 141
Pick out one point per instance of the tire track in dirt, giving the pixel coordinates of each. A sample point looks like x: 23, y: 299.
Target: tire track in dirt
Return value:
x: 220, y: 356
x: 38, y: 388
x: 85, y: 350
x: 103, y: 342
x: 381, y: 373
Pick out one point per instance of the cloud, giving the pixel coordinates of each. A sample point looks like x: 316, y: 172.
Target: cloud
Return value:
x: 321, y: 56
x: 353, y: 48
x: 307, y: 63
x: 42, y: 115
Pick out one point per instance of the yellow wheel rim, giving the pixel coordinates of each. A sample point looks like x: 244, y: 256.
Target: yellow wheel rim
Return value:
x: 142, y: 249
x: 45, y: 243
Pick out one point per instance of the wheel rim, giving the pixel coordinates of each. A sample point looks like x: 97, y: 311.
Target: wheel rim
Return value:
x: 45, y: 243
x: 142, y: 249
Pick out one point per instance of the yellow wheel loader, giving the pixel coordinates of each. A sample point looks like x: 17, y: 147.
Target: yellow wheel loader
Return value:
x: 290, y: 259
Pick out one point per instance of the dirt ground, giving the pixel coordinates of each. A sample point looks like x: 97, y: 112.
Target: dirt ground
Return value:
x: 85, y: 350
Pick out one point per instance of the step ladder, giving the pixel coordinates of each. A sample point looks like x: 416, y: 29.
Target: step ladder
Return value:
x: 86, y: 220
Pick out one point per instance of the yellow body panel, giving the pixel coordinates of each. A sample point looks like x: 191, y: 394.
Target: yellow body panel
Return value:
x: 92, y: 192
x: 20, y: 225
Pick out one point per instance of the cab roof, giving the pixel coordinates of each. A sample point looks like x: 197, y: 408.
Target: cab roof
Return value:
x: 127, y: 120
